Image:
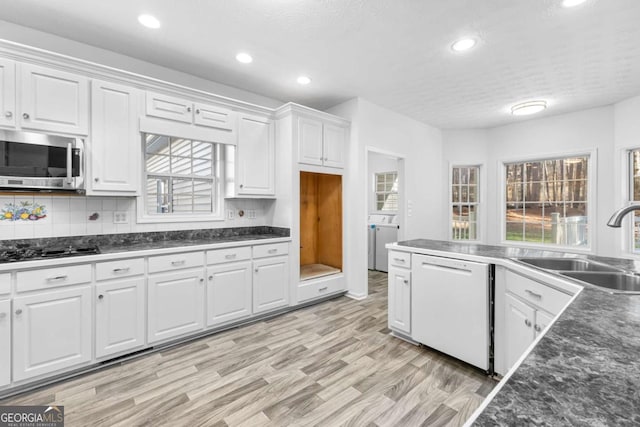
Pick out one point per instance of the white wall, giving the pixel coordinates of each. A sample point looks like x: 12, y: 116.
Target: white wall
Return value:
x: 377, y: 163
x: 53, y: 43
x: 583, y: 131
x: 420, y: 145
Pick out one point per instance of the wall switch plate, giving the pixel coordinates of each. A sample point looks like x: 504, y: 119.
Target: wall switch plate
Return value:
x: 230, y: 214
x: 120, y: 217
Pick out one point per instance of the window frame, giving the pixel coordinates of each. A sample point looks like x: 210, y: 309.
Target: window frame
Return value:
x: 376, y: 192
x: 628, y: 224
x: 217, y: 188
x: 592, y: 179
x: 478, y: 203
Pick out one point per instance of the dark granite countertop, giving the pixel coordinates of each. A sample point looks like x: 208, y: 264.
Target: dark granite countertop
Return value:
x: 585, y: 371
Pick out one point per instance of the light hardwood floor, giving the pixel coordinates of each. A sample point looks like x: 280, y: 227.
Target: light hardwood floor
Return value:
x: 331, y: 364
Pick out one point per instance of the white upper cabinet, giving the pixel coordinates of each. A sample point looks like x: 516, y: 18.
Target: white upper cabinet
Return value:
x: 53, y: 100
x: 255, y: 156
x: 185, y: 111
x: 7, y: 93
x: 321, y: 144
x: 115, y: 139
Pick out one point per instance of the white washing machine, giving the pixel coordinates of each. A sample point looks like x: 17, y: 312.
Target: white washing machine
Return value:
x: 382, y: 229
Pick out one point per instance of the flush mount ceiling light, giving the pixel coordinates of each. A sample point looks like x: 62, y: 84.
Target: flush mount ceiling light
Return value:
x: 463, y: 44
x: 303, y: 80
x: 527, y: 108
x: 245, y: 58
x: 572, y: 3
x: 149, y: 21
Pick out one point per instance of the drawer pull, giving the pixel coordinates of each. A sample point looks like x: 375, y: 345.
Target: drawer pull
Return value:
x: 533, y: 294
x: 527, y: 322
x: 322, y: 289
x: 398, y: 260
x: 406, y: 281
x: 272, y: 251
x: 177, y: 263
x: 230, y: 256
x: 18, y: 312
x: 51, y: 279
x: 121, y: 270
x: 537, y: 328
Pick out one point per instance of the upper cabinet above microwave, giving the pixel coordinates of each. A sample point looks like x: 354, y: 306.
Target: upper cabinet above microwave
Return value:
x: 53, y: 101
x: 181, y: 110
x: 7, y: 93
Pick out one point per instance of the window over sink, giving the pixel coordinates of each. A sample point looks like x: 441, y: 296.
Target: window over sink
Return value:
x: 181, y: 178
x: 634, y: 196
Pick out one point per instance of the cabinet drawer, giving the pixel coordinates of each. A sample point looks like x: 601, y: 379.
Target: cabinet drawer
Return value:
x: 52, y: 277
x: 399, y: 259
x: 122, y: 268
x: 310, y: 291
x: 536, y: 293
x: 274, y: 249
x: 5, y: 283
x: 175, y: 261
x: 220, y: 256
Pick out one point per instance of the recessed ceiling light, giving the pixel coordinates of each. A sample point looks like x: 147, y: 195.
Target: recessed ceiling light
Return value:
x: 303, y: 80
x: 149, y: 21
x: 463, y: 44
x: 245, y: 58
x: 572, y: 3
x: 527, y: 108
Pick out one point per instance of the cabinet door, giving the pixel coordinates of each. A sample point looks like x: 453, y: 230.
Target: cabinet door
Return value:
x: 169, y: 107
x: 310, y: 141
x: 115, y: 139
x: 270, y: 283
x: 5, y: 342
x: 51, y: 331
x: 334, y: 138
x: 119, y: 316
x: 519, y: 333
x: 543, y: 320
x: 176, y: 304
x: 400, y: 299
x: 7, y: 93
x: 214, y: 117
x: 256, y: 156
x: 228, y: 292
x: 54, y: 100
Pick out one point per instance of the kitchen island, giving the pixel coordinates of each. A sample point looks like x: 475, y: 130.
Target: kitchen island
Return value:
x: 584, y: 370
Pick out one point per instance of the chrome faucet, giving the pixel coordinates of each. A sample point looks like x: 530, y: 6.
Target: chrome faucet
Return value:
x: 616, y: 218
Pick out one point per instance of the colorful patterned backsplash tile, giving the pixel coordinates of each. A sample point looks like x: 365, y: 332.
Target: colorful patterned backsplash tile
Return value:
x: 23, y: 211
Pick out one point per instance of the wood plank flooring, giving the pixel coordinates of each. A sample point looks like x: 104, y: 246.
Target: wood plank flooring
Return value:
x: 332, y: 364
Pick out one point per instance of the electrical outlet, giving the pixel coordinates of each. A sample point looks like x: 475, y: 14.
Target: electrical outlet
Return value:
x: 120, y: 217
x: 231, y: 214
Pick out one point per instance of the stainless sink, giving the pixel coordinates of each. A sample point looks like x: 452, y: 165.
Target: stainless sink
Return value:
x: 569, y: 264
x: 618, y: 282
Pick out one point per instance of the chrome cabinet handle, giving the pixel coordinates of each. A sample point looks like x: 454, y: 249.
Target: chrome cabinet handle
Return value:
x: 19, y: 312
x: 189, y: 109
x: 197, y: 111
x: 25, y: 116
x: 121, y: 270
x: 272, y: 251
x: 176, y: 263
x: 398, y: 260
x: 241, y: 185
x: 8, y: 114
x: 210, y: 277
x: 533, y: 294
x: 201, y: 279
x: 230, y: 256
x: 537, y: 328
x: 406, y: 282
x: 324, y: 288
x: 100, y: 296
x: 527, y: 322
x: 96, y: 179
x: 51, y: 279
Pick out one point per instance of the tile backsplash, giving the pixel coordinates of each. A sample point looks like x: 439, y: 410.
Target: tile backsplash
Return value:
x: 34, y: 216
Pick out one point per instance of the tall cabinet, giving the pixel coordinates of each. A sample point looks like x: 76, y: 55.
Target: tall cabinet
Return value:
x: 311, y: 152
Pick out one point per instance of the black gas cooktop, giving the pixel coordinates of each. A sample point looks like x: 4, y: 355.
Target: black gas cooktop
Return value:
x: 27, y: 253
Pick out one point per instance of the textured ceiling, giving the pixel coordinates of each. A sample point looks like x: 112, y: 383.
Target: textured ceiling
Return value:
x: 395, y: 53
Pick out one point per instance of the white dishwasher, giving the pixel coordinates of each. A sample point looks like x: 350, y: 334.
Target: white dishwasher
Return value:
x: 450, y: 307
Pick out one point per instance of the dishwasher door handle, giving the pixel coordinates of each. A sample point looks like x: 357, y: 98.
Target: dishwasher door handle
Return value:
x: 447, y: 267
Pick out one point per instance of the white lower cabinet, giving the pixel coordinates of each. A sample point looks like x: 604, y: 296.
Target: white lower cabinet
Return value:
x: 5, y: 342
x: 270, y: 283
x: 228, y: 292
x: 119, y: 316
x: 519, y: 321
x: 175, y: 304
x: 400, y: 299
x: 51, y: 331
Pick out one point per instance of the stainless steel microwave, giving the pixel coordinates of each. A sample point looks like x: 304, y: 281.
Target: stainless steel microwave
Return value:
x: 39, y: 161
